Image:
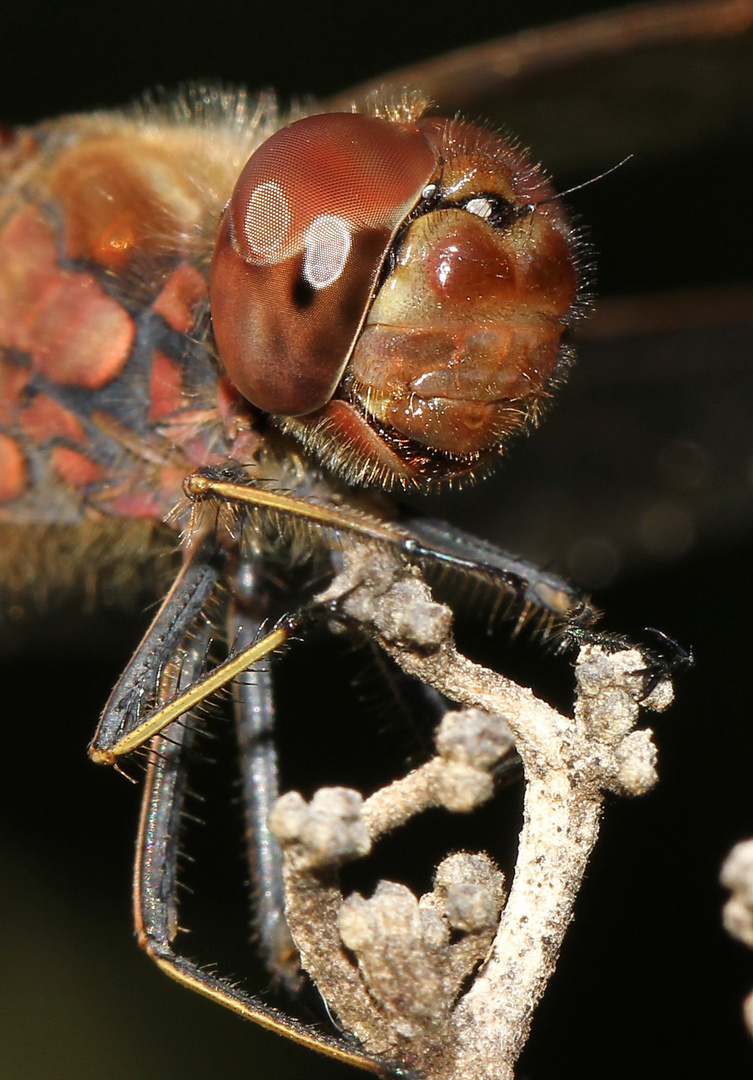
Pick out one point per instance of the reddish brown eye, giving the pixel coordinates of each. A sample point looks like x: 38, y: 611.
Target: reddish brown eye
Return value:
x: 465, y: 335
x: 300, y: 247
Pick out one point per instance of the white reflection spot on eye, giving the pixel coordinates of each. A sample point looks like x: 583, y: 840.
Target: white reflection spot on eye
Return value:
x: 267, y: 221
x: 327, y: 246
x: 480, y: 206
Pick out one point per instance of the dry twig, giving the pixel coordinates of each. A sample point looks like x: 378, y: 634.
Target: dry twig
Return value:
x: 444, y: 983
x: 737, y: 875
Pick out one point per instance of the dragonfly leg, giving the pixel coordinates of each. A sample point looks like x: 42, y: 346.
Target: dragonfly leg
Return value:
x: 136, y: 690
x: 254, y: 707
x: 156, y: 887
x: 525, y: 588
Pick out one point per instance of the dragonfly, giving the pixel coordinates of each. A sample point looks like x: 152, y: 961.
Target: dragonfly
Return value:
x: 532, y: 443
x: 351, y: 253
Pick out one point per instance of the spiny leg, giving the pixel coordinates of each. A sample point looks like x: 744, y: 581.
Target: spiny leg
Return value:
x: 156, y: 883
x: 128, y: 723
x: 136, y: 690
x: 523, y: 586
x: 253, y: 701
x: 530, y: 588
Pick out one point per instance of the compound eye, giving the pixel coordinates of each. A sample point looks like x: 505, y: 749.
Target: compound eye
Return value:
x: 299, y: 251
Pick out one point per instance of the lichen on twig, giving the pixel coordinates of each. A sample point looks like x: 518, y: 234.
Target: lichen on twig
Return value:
x: 737, y: 875
x: 447, y: 983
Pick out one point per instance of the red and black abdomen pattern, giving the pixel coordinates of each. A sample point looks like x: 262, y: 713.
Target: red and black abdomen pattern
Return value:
x: 108, y: 391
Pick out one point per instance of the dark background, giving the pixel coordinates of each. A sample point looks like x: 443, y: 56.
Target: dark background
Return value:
x: 648, y: 984
x: 56, y: 60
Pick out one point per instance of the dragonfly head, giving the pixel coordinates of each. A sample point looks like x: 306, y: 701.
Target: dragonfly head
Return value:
x: 394, y: 293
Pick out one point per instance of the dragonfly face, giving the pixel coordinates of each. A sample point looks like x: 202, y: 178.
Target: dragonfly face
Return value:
x: 170, y: 388
x: 422, y: 268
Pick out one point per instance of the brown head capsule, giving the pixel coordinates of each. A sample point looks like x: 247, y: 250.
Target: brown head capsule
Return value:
x: 393, y: 293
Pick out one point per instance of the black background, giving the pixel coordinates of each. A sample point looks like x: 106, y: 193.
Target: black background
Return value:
x: 648, y: 984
